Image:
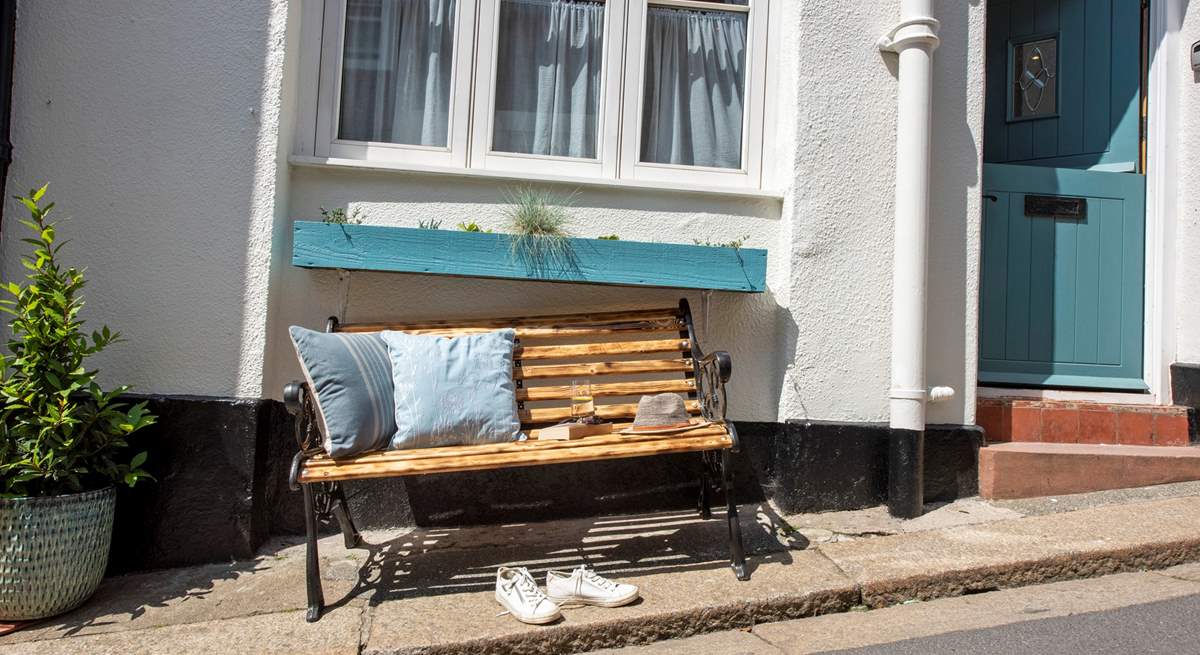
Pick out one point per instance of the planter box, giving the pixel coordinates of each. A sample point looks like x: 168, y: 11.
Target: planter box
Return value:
x: 474, y: 254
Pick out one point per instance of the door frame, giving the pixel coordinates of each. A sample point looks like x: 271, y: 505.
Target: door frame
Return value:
x: 1165, y: 19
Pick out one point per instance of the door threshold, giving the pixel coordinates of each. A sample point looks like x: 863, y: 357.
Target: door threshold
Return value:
x: 1109, y: 397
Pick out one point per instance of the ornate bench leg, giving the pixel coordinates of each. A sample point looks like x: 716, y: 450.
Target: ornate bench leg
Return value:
x: 704, y: 504
x: 737, y: 558
x: 313, y: 564
x: 341, y: 510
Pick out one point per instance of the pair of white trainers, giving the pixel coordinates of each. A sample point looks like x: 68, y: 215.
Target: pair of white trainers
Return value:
x: 518, y: 592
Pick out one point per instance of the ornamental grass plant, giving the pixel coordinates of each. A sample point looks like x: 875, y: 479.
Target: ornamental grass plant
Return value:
x: 537, y: 223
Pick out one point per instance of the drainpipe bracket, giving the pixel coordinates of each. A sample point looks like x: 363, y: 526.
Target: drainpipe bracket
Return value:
x: 911, y: 32
x: 907, y: 394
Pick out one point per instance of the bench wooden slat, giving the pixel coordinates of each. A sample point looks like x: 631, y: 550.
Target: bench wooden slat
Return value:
x: 563, y: 392
x: 610, y: 412
x: 524, y: 353
x: 561, y: 320
x: 533, y: 444
x: 544, y: 371
x: 546, y: 332
x: 581, y: 451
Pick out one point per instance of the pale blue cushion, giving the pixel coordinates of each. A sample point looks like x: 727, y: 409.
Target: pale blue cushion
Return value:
x: 351, y: 377
x: 453, y: 391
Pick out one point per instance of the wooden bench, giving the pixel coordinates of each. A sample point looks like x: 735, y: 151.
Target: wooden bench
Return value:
x: 624, y: 354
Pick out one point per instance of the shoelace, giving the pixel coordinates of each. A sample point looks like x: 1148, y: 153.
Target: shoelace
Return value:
x: 526, y: 588
x: 596, y: 579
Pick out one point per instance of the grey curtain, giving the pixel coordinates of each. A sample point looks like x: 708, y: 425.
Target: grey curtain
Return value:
x: 548, y: 76
x: 396, y: 71
x: 694, y: 87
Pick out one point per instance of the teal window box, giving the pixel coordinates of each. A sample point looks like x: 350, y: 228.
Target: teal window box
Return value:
x: 475, y: 254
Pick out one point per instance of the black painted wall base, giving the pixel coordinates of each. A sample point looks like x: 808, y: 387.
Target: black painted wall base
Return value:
x: 1185, y: 390
x: 210, y: 499
x: 221, y: 467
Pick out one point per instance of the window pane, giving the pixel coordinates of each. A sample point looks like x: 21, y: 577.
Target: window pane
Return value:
x: 396, y: 71
x: 1035, y: 67
x: 694, y: 87
x: 548, y: 76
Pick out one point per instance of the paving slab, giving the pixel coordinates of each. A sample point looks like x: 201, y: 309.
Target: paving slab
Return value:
x: 924, y: 619
x: 1074, y: 502
x: 830, y: 527
x: 280, y: 633
x: 734, y: 642
x: 857, y: 629
x: 680, y: 565
x: 1183, y: 572
x: 966, y: 511
x: 1031, y: 550
x: 266, y: 584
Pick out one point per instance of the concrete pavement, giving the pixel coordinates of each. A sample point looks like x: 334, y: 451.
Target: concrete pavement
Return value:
x: 430, y: 591
x: 1149, y: 612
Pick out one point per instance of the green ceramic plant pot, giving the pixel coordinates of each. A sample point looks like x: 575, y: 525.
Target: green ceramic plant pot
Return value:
x: 53, y: 551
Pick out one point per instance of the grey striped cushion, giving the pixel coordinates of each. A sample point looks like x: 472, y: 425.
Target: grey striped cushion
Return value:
x: 351, y: 376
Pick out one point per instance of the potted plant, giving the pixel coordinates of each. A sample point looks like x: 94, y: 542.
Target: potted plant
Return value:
x: 63, y: 439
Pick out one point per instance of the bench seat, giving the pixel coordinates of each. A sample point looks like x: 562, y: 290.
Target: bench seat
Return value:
x: 450, y: 459
x: 624, y: 355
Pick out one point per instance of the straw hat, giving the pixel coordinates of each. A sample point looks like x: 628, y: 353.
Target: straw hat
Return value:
x: 661, y: 414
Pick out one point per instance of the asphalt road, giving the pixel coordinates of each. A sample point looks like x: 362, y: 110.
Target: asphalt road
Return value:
x: 1168, y: 627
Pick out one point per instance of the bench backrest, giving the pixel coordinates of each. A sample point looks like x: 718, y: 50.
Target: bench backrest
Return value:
x: 623, y: 354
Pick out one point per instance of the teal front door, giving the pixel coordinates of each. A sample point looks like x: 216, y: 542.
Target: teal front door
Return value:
x: 1063, y: 266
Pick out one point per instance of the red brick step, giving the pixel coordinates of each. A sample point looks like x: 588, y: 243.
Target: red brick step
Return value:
x: 1049, y: 421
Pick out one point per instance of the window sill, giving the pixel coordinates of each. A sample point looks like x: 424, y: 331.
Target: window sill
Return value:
x: 415, y: 169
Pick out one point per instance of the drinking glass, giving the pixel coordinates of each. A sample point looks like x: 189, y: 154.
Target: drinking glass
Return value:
x: 583, y: 407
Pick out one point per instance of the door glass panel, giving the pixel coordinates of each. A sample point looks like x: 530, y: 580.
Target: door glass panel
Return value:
x: 396, y: 71
x: 695, y: 86
x: 548, y: 77
x: 1035, y: 84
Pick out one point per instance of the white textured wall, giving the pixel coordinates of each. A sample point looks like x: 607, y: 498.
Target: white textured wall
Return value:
x: 157, y: 125
x: 1186, y: 172
x: 840, y: 211
x: 164, y: 128
x: 816, y: 345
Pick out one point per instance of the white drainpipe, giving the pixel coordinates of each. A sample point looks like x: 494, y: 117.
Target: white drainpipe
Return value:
x: 913, y: 39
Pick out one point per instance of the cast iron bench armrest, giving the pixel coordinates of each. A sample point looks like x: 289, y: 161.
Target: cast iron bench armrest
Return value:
x: 712, y: 372
x: 298, y: 401
x: 293, y: 393
x: 723, y: 362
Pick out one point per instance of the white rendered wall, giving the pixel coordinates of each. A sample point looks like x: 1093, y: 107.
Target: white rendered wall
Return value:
x: 157, y: 125
x: 1186, y: 174
x: 840, y: 211
x: 164, y: 129
x: 816, y: 344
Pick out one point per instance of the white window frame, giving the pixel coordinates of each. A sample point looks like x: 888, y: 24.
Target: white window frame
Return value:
x: 604, y: 165
x: 750, y: 173
x: 453, y: 154
x: 468, y: 150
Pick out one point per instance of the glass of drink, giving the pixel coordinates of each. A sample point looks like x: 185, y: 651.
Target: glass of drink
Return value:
x: 583, y: 407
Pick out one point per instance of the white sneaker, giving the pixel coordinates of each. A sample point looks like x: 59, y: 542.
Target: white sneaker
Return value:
x: 584, y: 586
x: 518, y: 592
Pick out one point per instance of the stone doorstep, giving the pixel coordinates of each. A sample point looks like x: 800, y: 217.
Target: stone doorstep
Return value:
x: 440, y: 600
x: 1061, y: 421
x: 1029, y: 470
